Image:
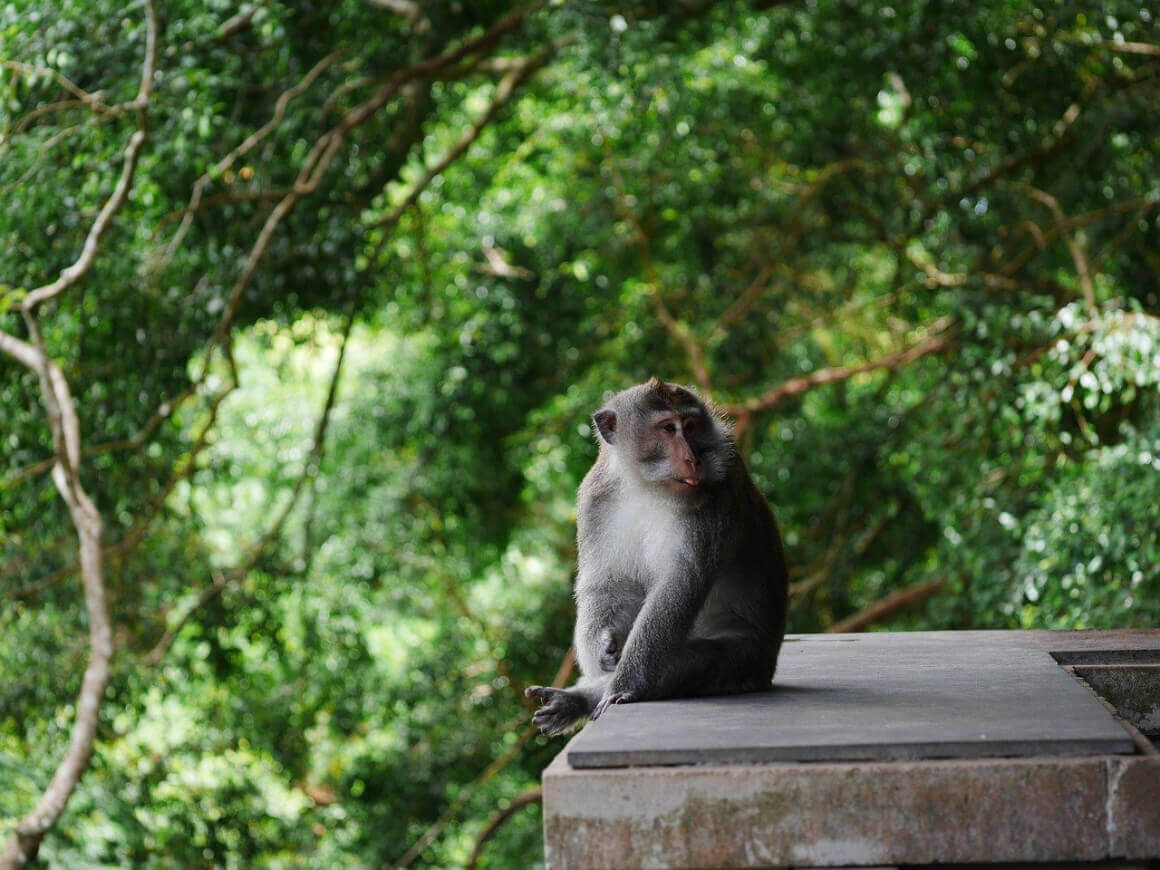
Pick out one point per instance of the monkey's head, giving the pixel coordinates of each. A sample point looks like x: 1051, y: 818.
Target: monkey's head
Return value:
x: 666, y: 438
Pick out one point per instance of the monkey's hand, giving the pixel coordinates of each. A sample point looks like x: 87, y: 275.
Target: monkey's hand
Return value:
x: 560, y: 709
x: 612, y: 698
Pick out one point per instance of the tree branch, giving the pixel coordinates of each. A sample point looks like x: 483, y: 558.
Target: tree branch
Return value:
x: 887, y: 607
x: 935, y: 277
x: 23, y: 843
x: 941, y: 340
x: 685, y: 339
x: 756, y: 287
x: 316, y: 163
x: 80, y: 268
x: 1078, y: 257
x: 92, y: 100
x: 409, y: 9
x: 503, y: 92
x: 530, y: 797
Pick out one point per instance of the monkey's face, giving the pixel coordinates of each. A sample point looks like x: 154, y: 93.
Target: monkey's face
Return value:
x: 665, y: 437
x: 670, y: 456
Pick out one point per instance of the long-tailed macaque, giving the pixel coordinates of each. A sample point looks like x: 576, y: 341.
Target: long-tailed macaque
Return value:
x: 681, y: 587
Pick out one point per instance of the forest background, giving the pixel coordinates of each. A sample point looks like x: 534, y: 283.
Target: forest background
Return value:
x: 304, y: 307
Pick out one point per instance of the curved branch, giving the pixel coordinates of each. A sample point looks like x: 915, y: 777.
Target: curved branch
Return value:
x: 135, y: 442
x: 887, y: 607
x: 528, y: 798
x: 491, y: 770
x: 940, y: 341
x: 23, y: 843
x: 91, y: 100
x: 685, y: 339
x: 316, y: 163
x: 74, y: 273
x: 757, y: 286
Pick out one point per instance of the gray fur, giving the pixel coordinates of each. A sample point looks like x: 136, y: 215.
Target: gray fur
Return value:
x: 681, y: 589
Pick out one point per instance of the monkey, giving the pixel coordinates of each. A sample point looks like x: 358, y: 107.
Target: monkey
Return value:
x: 681, y: 585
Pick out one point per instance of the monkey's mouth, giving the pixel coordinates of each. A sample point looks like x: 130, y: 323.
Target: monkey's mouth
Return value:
x: 689, y: 481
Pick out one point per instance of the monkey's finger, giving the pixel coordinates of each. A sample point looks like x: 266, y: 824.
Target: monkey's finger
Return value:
x: 549, y: 722
x: 612, y: 698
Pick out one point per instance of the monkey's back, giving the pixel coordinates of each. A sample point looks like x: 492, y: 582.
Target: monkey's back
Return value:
x: 749, y: 594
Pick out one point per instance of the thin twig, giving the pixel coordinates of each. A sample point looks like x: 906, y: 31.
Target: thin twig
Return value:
x: 1042, y: 239
x: 134, y: 442
x: 91, y: 100
x: 240, y: 151
x: 491, y: 770
x: 503, y: 93
x: 116, y: 200
x: 318, y: 160
x: 685, y: 339
x: 309, y: 471
x: 756, y: 287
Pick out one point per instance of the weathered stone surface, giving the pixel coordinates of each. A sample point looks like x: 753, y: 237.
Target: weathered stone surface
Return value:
x: 873, y: 697
x: 1035, y: 809
x: 1134, y: 807
x: 1133, y: 689
x: 826, y: 815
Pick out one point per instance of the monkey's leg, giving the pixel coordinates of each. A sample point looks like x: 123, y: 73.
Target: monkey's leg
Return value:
x: 560, y: 709
x: 727, y: 665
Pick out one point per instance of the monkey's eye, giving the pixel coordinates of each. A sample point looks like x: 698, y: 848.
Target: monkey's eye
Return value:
x: 670, y: 428
x: 690, y: 425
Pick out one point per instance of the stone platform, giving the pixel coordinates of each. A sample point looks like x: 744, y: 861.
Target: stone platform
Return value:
x: 918, y: 748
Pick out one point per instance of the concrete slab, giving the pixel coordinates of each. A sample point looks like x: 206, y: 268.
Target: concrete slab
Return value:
x: 1134, y: 807
x: 1133, y: 689
x: 904, y: 696
x: 826, y: 812
x: 828, y: 815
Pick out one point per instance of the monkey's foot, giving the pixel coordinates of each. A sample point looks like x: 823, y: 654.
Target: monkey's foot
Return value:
x: 559, y: 710
x: 612, y: 698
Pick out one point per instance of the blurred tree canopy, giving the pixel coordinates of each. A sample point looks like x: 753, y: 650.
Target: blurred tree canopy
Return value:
x: 342, y: 283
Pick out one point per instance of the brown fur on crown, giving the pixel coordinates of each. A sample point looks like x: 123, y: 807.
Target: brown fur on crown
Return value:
x: 670, y: 394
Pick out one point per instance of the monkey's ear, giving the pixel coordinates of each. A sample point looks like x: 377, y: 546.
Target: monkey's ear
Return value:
x: 605, y: 424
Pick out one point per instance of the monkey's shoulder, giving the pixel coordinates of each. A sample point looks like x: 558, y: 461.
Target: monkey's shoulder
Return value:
x: 598, y: 491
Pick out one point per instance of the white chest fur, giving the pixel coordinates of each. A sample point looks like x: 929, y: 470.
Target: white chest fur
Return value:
x: 643, y: 538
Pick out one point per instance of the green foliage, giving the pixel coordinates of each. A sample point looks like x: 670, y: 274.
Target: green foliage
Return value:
x: 746, y: 197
